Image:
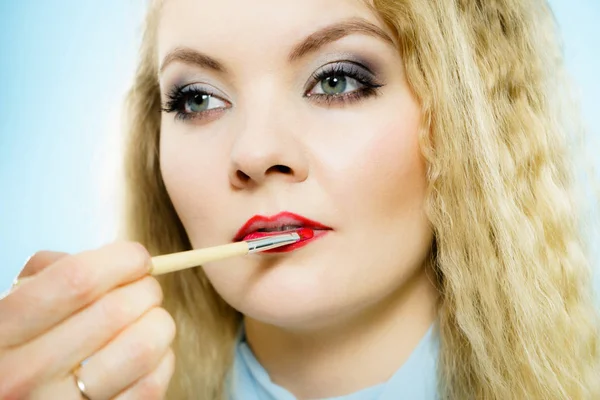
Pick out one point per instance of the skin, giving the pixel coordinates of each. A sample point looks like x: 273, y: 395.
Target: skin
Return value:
x: 321, y: 319
x: 98, y: 305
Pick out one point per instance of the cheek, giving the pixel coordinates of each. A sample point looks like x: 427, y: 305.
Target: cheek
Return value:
x: 384, y: 173
x: 395, y: 169
x: 380, y: 191
x: 192, y: 178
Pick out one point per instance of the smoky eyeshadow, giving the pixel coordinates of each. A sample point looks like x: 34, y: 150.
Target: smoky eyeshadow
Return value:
x: 372, y: 66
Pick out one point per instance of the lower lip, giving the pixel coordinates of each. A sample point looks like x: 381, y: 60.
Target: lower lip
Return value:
x: 318, y: 233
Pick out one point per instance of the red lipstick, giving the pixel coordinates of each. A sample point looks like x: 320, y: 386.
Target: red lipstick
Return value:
x: 261, y: 226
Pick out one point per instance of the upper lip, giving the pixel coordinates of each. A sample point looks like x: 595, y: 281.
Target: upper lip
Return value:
x: 284, y: 218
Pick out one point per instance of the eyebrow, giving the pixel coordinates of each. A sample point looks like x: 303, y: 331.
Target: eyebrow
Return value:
x: 335, y: 32
x: 190, y: 56
x: 311, y: 44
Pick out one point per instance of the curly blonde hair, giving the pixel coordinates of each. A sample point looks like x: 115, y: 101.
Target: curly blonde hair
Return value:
x: 517, y: 319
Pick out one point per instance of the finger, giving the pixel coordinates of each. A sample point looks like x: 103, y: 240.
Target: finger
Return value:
x: 154, y: 385
x: 64, y: 388
x: 65, y: 287
x: 151, y: 386
x: 131, y: 355
x: 33, y: 265
x: 65, y: 346
x: 40, y: 261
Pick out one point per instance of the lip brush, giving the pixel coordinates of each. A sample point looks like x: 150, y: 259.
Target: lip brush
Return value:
x: 193, y: 258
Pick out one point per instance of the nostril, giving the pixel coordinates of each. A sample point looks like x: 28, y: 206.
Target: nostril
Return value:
x: 242, y: 176
x: 282, y: 168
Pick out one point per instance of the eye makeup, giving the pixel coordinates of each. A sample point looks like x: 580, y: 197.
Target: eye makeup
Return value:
x: 335, y: 84
x: 334, y: 78
x: 194, y: 101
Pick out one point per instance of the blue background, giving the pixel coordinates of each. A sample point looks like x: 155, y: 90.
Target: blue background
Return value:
x: 64, y: 68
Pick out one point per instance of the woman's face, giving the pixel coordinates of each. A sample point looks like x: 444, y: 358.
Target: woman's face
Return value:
x: 293, y: 106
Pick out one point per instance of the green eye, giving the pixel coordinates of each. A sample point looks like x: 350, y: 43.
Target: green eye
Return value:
x: 198, y: 103
x: 334, y: 85
x: 342, y: 82
x: 194, y: 101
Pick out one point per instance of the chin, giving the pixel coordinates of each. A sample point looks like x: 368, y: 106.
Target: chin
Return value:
x: 290, y: 299
x: 295, y: 317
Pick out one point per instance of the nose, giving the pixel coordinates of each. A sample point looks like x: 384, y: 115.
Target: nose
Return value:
x: 265, y: 149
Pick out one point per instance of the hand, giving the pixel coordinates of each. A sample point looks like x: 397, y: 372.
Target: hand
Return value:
x: 100, y: 306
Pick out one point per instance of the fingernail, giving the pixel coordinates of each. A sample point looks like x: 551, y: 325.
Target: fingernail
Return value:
x: 26, y: 262
x: 22, y: 268
x: 11, y: 289
x: 4, y: 294
x: 16, y: 280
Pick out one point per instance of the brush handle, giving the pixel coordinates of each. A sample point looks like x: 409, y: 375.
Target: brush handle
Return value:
x: 193, y: 258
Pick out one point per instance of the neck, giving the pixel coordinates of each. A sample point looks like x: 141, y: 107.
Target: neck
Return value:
x: 355, y: 354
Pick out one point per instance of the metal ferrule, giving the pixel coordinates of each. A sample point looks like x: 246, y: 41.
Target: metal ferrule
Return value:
x: 271, y: 242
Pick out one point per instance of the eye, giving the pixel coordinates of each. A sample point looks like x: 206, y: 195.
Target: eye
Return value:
x: 193, y: 101
x: 336, y: 85
x: 342, y: 82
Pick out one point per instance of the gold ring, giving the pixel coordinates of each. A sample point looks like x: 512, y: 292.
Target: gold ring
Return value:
x: 81, y: 387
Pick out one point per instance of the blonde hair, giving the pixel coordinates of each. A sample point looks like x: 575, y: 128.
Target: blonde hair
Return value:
x: 516, y: 316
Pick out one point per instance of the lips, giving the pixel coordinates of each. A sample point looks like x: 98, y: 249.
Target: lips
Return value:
x: 260, y: 226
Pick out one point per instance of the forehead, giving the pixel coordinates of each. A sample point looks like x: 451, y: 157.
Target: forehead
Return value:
x: 264, y: 24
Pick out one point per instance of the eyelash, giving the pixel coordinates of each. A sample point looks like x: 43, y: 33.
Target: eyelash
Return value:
x: 349, y: 70
x: 179, y: 95
x: 177, y: 98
